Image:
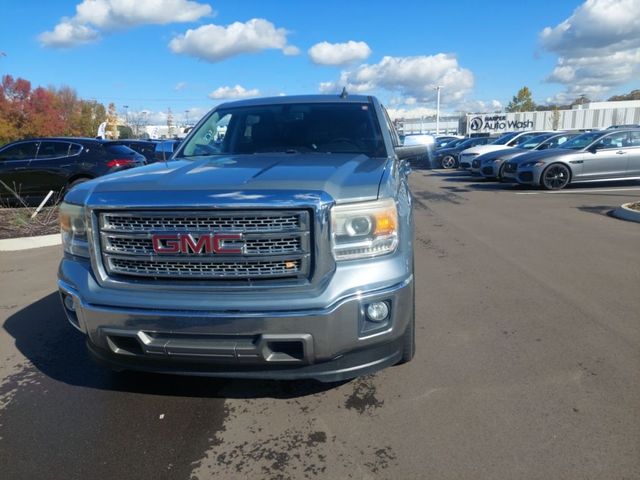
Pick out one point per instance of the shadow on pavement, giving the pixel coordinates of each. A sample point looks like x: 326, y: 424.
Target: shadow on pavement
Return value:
x: 44, y: 337
x: 597, y: 209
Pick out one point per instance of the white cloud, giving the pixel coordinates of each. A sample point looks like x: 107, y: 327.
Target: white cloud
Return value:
x: 67, y: 34
x: 416, y: 112
x: 233, y: 92
x: 325, y: 53
x: 408, y: 76
x: 479, y: 106
x: 598, y: 46
x: 180, y: 86
x: 214, y: 42
x: 95, y: 16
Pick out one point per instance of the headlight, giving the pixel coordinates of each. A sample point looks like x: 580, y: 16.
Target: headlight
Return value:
x: 364, y: 229
x: 73, y: 229
x: 533, y: 164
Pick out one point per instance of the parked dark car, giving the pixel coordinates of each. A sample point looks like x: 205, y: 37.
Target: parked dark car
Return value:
x: 34, y: 167
x: 164, y: 150
x: 146, y: 148
x: 448, y: 157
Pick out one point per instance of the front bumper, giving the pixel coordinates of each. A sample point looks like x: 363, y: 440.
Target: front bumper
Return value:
x: 282, y: 341
x: 490, y: 170
x: 465, y: 161
x: 528, y: 176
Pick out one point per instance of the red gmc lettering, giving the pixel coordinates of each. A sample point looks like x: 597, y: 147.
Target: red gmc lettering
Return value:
x: 171, y: 243
x: 186, y: 243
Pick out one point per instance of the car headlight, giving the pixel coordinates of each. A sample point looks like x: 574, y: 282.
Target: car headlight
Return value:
x: 533, y: 164
x: 363, y: 230
x: 73, y: 229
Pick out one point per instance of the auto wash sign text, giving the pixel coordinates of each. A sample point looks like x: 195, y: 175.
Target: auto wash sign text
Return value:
x: 497, y: 123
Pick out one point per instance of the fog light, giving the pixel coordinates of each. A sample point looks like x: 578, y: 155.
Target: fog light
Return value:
x: 377, y: 311
x: 69, y: 304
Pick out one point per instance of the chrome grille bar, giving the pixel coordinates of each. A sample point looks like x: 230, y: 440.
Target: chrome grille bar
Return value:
x: 274, y: 244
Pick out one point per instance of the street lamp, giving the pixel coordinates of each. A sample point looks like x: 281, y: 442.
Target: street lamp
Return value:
x: 186, y: 118
x: 126, y: 114
x: 438, y: 110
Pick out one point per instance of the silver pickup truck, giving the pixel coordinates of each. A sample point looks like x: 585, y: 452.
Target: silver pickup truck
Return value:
x: 276, y: 242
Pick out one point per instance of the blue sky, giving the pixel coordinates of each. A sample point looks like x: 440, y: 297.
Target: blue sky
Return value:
x: 136, y: 53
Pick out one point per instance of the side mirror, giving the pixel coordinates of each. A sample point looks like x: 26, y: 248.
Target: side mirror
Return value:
x: 411, y: 151
x: 593, y: 148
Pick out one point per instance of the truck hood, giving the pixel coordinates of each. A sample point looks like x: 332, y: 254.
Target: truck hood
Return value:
x: 345, y: 177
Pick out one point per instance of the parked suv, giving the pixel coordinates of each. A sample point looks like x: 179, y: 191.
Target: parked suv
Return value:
x: 146, y: 148
x: 36, y: 166
x: 277, y: 243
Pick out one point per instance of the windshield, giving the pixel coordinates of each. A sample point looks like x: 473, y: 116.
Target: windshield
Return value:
x: 504, y: 139
x: 533, y: 141
x: 291, y: 128
x: 582, y: 141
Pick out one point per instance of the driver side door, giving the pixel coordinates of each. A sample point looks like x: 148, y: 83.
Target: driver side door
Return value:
x: 14, y: 173
x: 608, y: 159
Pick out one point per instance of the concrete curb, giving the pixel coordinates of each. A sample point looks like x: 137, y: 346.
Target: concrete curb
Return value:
x: 25, y: 243
x: 624, y: 212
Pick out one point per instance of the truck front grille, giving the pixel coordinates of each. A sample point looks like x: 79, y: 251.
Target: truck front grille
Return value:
x: 272, y: 245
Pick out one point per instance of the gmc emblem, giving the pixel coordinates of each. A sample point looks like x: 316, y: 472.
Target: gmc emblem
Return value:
x: 186, y: 243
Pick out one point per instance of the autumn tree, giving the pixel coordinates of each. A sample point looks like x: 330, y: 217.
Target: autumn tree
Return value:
x: 40, y: 112
x: 112, y: 122
x: 522, y: 101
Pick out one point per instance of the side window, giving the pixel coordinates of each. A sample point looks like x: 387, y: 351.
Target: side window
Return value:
x: 634, y: 139
x: 615, y: 140
x: 53, y: 150
x: 74, y: 149
x: 21, y: 151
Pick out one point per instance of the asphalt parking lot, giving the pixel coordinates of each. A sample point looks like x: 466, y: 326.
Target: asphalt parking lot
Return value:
x: 528, y: 365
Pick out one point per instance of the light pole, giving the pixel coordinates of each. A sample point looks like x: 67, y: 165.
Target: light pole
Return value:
x: 126, y: 114
x: 438, y: 109
x: 186, y: 118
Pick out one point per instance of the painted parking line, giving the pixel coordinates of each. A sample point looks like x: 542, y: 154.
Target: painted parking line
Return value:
x: 582, y: 190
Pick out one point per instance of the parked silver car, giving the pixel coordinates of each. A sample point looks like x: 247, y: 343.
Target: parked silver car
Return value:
x: 492, y: 164
x: 590, y: 157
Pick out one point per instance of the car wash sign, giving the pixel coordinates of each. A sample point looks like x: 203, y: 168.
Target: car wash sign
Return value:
x: 498, y: 123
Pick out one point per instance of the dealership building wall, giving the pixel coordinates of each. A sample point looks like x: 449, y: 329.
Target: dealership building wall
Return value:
x: 591, y: 116
x: 594, y: 116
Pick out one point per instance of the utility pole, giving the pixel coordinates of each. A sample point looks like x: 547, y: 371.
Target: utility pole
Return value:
x: 438, y: 110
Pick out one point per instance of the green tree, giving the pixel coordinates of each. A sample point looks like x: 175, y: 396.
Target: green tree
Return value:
x: 522, y: 101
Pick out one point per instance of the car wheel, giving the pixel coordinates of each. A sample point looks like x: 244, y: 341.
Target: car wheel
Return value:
x: 555, y: 177
x: 500, y: 176
x: 448, y: 162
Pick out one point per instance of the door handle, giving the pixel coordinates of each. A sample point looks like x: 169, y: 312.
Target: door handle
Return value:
x: 20, y: 168
x: 620, y: 152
